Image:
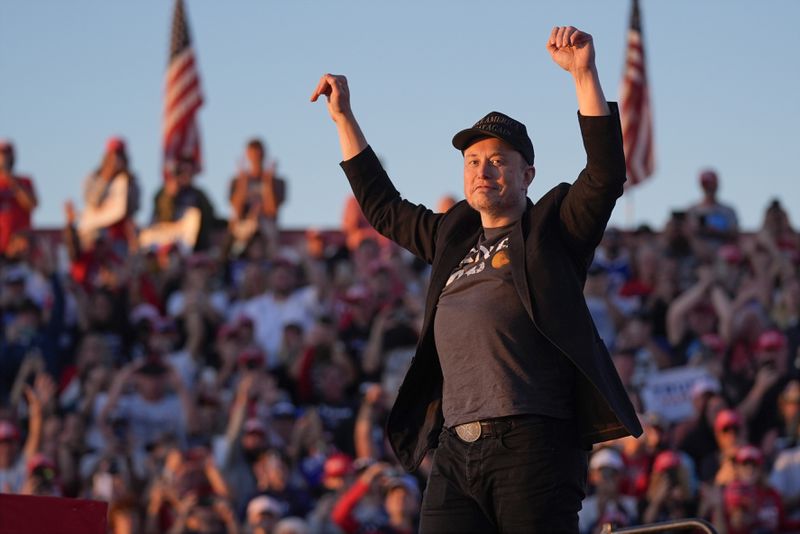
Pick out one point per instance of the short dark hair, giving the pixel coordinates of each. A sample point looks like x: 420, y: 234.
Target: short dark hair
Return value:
x: 256, y: 143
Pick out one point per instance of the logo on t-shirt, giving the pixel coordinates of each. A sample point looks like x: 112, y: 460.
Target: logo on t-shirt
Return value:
x: 475, y: 261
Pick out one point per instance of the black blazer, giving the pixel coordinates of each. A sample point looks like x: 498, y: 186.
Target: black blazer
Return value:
x: 552, y: 246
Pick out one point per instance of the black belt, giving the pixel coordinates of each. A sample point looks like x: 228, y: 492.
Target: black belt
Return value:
x: 490, y: 428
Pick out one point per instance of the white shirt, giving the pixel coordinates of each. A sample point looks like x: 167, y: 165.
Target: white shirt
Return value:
x: 271, y: 315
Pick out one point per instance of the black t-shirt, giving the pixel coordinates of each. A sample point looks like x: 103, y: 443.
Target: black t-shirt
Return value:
x: 494, y: 361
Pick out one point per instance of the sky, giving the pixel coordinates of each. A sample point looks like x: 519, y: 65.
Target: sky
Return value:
x: 724, y: 78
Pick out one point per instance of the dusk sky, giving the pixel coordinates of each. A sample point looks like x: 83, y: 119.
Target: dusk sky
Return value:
x: 724, y: 76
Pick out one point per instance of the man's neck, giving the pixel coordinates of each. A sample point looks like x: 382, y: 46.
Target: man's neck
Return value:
x: 489, y: 220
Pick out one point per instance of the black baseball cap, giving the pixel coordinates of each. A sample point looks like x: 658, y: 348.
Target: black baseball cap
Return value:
x: 501, y: 126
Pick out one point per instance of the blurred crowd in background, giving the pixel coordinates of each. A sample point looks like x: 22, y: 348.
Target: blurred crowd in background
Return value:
x: 225, y: 375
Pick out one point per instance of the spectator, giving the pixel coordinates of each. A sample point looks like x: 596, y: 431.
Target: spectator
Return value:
x: 445, y: 203
x: 111, y: 199
x: 256, y: 195
x: 356, y: 228
x: 182, y: 212
x: 28, y: 329
x: 717, y: 466
x: 669, y: 494
x: 17, y: 198
x: 625, y: 363
x: 337, y: 477
x: 639, y: 454
x: 678, y: 242
x: 750, y: 503
x: 651, y: 354
x: 712, y: 221
x: 13, y: 458
x: 391, y: 345
x: 785, y: 478
x: 605, y: 307
x: 276, y: 479
x: 606, y: 505
x: 292, y: 525
x: 41, y: 479
x: 614, y: 257
x: 695, y: 436
x: 776, y: 232
x: 787, y: 435
x: 246, y: 438
x: 398, y: 513
x: 760, y: 406
x: 263, y: 514
x: 692, y: 315
x: 285, y: 302
x: 150, y: 410
x: 786, y: 315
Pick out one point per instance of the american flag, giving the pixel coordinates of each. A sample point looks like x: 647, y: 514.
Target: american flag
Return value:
x: 182, y: 96
x: 636, y: 115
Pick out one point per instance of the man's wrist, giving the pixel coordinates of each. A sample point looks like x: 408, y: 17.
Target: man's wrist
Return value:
x: 584, y: 75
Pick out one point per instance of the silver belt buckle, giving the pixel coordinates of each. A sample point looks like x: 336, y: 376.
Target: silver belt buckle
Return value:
x: 469, y: 432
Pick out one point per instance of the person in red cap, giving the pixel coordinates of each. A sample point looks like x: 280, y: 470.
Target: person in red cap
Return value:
x: 749, y: 503
x: 111, y: 200
x: 17, y: 197
x: 669, y: 495
x: 717, y: 466
x: 506, y: 283
x: 337, y: 476
x: 771, y: 366
x: 713, y: 222
x: 41, y: 477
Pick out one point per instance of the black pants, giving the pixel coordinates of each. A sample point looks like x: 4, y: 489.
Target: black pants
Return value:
x: 530, y: 479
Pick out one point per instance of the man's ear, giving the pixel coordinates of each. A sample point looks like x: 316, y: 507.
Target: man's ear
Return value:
x: 530, y: 172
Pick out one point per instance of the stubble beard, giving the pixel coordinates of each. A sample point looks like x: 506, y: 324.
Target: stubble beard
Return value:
x: 494, y: 207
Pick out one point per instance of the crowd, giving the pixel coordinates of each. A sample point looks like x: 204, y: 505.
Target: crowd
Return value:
x: 204, y: 375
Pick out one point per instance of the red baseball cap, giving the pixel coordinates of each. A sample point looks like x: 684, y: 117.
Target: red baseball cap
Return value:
x: 731, y: 254
x: 115, y: 144
x: 749, y: 453
x: 726, y: 418
x: 226, y: 330
x: 338, y: 464
x: 771, y: 340
x: 252, y: 355
x: 39, y: 461
x: 8, y: 431
x: 665, y: 461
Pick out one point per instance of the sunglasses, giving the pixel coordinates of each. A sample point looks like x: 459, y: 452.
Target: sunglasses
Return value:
x: 730, y: 428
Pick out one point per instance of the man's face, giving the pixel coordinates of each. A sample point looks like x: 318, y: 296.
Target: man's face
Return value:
x: 5, y: 160
x: 255, y: 157
x: 496, y: 177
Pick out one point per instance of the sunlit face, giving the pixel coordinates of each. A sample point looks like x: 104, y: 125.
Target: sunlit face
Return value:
x: 255, y: 157
x: 496, y: 178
